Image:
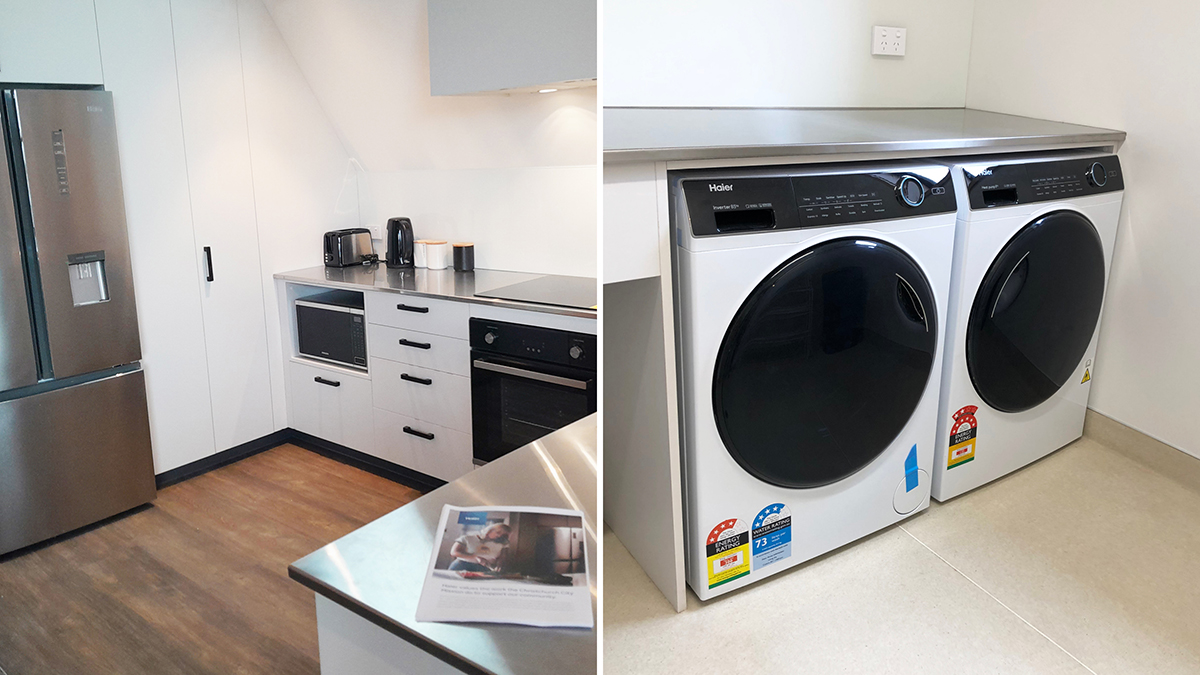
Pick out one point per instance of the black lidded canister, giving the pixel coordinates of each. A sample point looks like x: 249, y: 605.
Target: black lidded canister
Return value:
x: 464, y: 257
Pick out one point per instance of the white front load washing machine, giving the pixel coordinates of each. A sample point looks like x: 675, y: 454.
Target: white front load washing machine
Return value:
x: 1032, y: 254
x: 811, y: 302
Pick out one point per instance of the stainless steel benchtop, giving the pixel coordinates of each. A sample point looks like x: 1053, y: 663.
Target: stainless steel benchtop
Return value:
x: 665, y: 134
x: 445, y: 284
x: 377, y: 571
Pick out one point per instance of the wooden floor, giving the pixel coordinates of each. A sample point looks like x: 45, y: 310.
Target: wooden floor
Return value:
x: 195, y: 583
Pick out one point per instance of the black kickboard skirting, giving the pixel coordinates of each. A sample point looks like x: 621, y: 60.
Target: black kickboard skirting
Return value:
x: 380, y: 467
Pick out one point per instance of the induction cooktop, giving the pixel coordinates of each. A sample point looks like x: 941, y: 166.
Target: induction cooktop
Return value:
x: 577, y: 292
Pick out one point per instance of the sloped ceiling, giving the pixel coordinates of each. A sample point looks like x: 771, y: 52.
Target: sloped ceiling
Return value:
x: 367, y: 62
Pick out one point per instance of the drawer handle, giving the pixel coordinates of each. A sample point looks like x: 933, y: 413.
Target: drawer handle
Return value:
x: 413, y: 308
x: 421, y: 434
x: 418, y: 345
x: 328, y: 382
x: 418, y: 380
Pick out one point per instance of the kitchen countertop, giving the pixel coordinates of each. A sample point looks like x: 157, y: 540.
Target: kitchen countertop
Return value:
x: 445, y: 284
x: 665, y: 134
x: 377, y: 571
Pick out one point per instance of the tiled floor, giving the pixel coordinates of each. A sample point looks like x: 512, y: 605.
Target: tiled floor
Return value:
x: 1088, y: 561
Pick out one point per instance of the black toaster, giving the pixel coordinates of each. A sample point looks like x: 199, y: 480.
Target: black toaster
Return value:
x: 344, y: 248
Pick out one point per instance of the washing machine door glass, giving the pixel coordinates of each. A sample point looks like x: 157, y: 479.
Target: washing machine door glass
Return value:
x: 1036, y: 311
x: 825, y: 362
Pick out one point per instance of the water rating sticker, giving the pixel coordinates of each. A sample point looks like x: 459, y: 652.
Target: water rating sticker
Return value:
x: 962, y: 437
x: 728, y: 552
x: 772, y: 535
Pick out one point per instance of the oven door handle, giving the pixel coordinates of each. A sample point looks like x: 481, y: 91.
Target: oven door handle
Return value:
x: 530, y: 374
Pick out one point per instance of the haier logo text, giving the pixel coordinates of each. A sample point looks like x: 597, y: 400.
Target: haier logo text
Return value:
x: 720, y: 187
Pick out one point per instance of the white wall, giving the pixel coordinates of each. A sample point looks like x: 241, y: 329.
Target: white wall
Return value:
x: 803, y: 53
x: 514, y: 173
x: 1103, y: 64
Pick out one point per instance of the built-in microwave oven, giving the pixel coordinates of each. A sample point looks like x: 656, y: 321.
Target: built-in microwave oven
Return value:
x: 330, y: 328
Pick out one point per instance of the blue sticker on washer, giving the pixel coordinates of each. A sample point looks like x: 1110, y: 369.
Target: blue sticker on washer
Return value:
x: 771, y: 535
x: 911, y: 478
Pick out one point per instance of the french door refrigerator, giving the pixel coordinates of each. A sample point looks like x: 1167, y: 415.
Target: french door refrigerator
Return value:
x: 74, y: 428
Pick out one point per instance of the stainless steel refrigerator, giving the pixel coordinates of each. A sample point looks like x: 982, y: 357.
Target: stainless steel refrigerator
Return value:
x: 74, y: 429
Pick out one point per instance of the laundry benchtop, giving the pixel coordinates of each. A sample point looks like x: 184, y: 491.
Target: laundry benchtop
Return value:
x: 445, y: 284
x: 666, y: 134
x: 377, y: 571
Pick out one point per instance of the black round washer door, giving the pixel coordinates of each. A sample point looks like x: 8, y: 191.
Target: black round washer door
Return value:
x: 1036, y: 311
x: 825, y: 362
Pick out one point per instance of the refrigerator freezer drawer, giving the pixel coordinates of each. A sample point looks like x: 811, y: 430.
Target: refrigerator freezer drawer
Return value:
x: 73, y: 456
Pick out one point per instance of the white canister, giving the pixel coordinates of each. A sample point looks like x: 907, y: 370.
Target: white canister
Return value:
x: 419, y: 253
x: 437, y: 254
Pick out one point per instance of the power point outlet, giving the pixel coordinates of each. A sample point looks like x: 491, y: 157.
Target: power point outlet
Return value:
x: 376, y: 233
x: 888, y: 41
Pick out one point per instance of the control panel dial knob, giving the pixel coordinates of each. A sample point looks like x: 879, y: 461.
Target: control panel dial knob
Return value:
x: 910, y: 191
x: 489, y: 337
x: 576, y: 351
x: 1097, y: 175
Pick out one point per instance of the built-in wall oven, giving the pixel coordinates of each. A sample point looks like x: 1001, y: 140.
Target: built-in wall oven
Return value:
x: 527, y: 381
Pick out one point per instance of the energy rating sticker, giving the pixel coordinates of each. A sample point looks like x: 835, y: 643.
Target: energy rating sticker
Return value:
x: 962, y: 437
x: 728, y: 552
x: 772, y: 535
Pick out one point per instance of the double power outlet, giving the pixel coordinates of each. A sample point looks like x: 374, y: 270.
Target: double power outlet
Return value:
x: 888, y: 41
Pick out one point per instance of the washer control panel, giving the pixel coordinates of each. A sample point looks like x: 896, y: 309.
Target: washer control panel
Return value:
x: 1009, y: 184
x: 748, y: 204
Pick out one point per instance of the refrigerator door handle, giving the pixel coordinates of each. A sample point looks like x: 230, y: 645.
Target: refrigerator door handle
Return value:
x: 208, y: 259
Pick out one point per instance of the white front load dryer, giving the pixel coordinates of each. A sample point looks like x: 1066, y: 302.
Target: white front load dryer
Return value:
x: 1032, y: 254
x: 811, y: 302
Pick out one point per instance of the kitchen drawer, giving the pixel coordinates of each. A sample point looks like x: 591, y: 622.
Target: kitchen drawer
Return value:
x: 413, y: 312
x: 330, y: 404
x: 446, y: 456
x: 444, y: 401
x: 437, y: 352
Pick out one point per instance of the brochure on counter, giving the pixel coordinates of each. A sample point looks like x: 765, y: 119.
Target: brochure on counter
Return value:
x: 508, y: 564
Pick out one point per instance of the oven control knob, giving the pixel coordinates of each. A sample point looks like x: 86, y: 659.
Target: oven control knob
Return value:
x: 489, y: 338
x: 910, y: 191
x: 1097, y: 175
x: 576, y: 351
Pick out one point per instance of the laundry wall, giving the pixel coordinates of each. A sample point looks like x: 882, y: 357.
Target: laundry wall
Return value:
x: 516, y: 174
x: 1102, y: 63
x: 810, y: 53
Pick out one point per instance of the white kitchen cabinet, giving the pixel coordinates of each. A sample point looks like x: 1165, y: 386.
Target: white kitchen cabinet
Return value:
x: 49, y: 42
x: 417, y: 444
x: 414, y: 312
x: 331, y: 403
x: 436, y: 352
x: 430, y: 395
x: 212, y: 98
x: 479, y: 47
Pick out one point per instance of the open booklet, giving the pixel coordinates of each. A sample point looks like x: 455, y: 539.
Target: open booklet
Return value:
x: 508, y: 564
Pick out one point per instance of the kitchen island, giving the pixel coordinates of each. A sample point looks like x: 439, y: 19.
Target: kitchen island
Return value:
x: 368, y: 583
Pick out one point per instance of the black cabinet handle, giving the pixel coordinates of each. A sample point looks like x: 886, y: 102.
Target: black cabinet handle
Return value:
x: 422, y: 434
x: 328, y: 382
x: 413, y: 308
x: 418, y: 345
x: 418, y: 380
x: 208, y: 259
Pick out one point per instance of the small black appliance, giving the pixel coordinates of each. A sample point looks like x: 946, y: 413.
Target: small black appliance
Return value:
x: 330, y: 328
x: 399, y: 242
x: 344, y: 248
